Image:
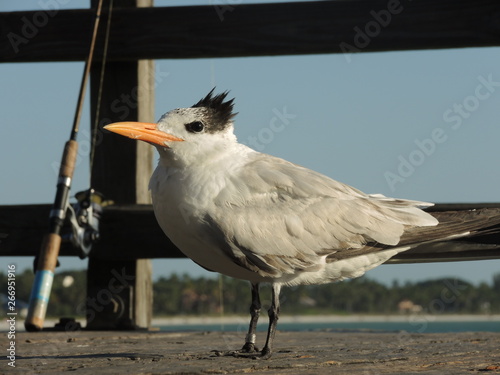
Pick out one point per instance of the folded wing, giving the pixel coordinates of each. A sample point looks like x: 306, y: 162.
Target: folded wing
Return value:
x: 286, y: 218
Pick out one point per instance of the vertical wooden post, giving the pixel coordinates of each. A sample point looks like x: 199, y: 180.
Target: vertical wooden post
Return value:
x: 120, y: 292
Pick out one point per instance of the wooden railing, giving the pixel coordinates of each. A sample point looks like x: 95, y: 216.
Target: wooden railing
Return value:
x: 130, y: 232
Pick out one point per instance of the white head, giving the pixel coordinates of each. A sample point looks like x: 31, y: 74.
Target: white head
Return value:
x: 187, y: 135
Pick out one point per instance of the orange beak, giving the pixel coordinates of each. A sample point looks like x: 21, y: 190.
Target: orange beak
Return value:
x: 143, y: 131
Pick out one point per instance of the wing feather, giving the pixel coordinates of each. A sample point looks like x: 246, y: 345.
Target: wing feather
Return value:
x: 289, y: 217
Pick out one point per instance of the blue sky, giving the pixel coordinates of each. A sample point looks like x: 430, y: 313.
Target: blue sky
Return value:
x: 420, y: 125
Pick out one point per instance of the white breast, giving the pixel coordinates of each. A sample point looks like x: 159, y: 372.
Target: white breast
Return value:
x: 181, y: 201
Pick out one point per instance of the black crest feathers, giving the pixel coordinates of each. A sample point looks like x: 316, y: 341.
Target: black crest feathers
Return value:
x: 220, y: 111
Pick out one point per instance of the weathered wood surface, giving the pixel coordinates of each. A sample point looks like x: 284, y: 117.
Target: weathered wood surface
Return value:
x: 321, y: 352
x: 123, y: 175
x: 22, y: 228
x: 231, y: 29
x: 126, y: 228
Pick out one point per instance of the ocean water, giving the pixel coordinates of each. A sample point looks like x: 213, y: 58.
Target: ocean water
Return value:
x: 415, y: 326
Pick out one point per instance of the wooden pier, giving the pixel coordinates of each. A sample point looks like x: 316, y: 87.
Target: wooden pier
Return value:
x: 309, y: 27
x: 315, y: 352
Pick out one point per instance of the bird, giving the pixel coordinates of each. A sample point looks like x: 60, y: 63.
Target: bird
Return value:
x: 256, y: 217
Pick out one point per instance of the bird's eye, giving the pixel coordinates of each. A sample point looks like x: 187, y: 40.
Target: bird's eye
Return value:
x: 195, y: 127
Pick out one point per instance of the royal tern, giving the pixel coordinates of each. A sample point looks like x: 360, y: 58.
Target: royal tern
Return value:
x: 259, y: 218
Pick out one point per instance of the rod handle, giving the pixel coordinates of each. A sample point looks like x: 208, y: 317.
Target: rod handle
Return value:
x: 42, y: 284
x: 68, y: 159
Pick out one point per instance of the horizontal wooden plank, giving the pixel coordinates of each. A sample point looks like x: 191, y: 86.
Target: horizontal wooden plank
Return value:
x: 126, y: 232
x: 131, y: 232
x: 349, y: 349
x: 234, y: 30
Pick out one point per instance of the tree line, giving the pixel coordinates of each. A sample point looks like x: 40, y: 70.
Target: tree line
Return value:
x: 186, y: 295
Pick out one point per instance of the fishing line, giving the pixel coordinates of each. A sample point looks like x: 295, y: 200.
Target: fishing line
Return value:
x: 99, y: 91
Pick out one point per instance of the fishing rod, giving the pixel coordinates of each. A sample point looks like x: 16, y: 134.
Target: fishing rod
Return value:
x: 51, y: 243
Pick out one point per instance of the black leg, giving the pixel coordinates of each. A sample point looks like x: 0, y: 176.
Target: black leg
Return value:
x: 249, y: 350
x: 273, y: 311
x: 249, y: 346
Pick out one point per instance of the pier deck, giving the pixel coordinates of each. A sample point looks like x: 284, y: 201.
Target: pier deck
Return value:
x: 317, y: 352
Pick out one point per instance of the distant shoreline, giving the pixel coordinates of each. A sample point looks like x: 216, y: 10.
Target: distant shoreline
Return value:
x: 200, y: 320
x: 243, y: 319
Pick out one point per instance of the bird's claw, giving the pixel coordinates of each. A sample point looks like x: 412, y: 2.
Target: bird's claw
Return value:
x: 248, y: 351
x: 249, y: 347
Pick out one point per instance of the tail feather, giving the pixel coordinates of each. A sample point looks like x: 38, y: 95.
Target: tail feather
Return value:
x: 453, y: 225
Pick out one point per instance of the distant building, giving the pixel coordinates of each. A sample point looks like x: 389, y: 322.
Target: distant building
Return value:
x: 406, y: 306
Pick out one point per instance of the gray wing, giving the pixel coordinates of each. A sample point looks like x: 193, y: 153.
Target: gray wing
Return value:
x: 285, y: 218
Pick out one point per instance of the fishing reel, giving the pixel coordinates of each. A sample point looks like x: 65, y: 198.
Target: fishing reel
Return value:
x: 84, y: 217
